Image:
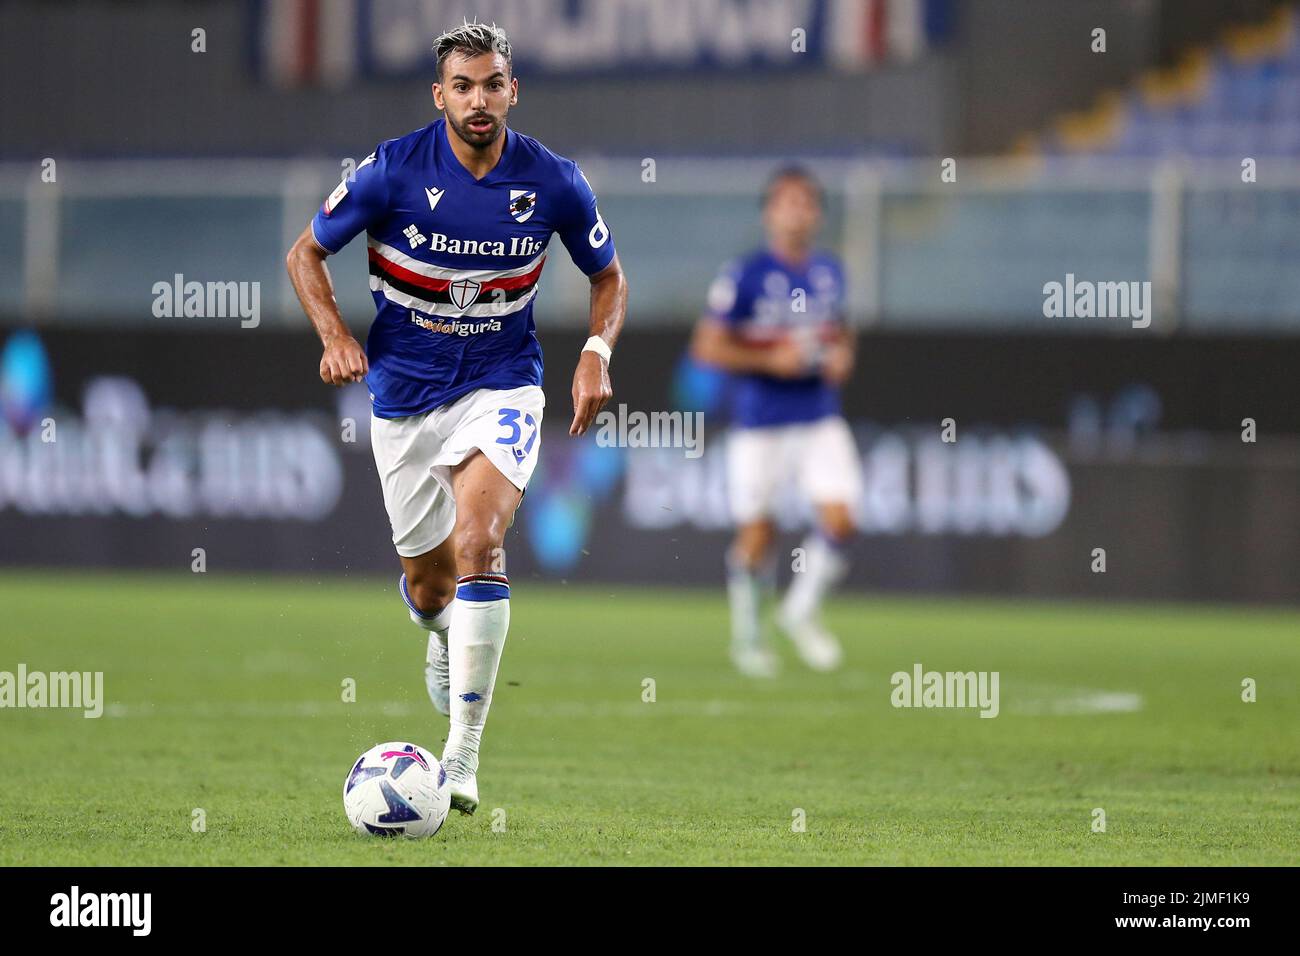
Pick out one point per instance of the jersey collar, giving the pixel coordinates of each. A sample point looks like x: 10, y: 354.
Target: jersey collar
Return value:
x: 496, y: 174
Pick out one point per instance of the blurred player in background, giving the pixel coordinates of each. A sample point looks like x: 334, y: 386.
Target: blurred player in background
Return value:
x: 458, y: 216
x: 775, y: 320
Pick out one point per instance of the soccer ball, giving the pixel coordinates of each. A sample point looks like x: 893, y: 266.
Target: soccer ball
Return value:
x: 396, y: 789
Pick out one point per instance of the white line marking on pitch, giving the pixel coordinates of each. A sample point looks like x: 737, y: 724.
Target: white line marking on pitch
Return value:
x: 1042, y: 701
x: 1080, y: 702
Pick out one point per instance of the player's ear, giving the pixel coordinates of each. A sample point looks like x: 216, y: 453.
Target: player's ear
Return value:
x: 436, y: 89
x: 514, y: 91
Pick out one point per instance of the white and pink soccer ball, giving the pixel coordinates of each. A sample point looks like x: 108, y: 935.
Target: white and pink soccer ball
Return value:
x: 396, y: 789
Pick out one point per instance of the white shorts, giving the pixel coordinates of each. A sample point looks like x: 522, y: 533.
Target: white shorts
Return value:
x: 415, y: 455
x: 820, y: 456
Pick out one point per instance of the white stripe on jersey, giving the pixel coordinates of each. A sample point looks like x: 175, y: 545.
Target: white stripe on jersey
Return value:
x: 487, y: 309
x: 434, y: 272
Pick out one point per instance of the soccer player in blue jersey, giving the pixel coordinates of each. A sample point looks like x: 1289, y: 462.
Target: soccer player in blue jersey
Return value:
x: 458, y: 216
x: 776, y: 321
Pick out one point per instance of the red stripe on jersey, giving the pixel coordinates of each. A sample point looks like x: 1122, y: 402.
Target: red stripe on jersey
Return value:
x: 824, y: 332
x: 439, y: 285
x: 406, y: 275
x: 515, y: 282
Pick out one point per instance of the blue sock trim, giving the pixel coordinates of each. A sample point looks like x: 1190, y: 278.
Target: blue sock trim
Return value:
x: 483, y: 587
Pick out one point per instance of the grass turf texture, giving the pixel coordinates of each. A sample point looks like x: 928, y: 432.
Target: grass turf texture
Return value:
x: 225, y: 695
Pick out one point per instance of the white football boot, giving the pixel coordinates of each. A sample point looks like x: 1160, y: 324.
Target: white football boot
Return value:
x: 437, y: 674
x: 754, y: 660
x: 463, y: 784
x: 816, y: 646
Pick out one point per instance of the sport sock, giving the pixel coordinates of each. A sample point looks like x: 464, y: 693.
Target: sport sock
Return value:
x: 479, y: 623
x: 825, y: 566
x: 436, y: 678
x: 745, y: 589
x: 438, y: 622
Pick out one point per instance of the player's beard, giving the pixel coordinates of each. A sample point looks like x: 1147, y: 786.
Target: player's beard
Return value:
x: 477, y: 140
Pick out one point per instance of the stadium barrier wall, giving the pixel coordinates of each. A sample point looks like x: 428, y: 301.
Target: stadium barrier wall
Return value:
x: 138, y: 449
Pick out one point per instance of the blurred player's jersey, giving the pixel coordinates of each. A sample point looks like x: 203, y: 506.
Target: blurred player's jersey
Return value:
x: 455, y: 262
x: 757, y: 296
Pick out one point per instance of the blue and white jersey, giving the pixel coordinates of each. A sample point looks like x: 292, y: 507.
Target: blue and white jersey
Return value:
x: 766, y: 300
x: 455, y: 262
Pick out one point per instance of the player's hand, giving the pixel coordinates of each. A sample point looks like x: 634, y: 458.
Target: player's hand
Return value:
x: 344, y: 361
x: 837, y: 365
x: 786, y: 360
x: 591, y: 390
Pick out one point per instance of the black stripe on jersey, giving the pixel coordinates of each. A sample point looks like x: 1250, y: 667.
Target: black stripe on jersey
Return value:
x: 443, y: 296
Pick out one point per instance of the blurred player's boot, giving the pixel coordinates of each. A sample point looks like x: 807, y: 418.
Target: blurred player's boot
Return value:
x: 817, y: 647
x: 474, y: 645
x: 755, y: 661
x: 436, y: 672
x: 463, y: 785
x: 824, y: 566
x: 749, y: 650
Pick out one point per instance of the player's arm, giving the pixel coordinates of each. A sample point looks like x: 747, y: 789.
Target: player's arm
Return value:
x: 343, y: 360
x: 841, y: 353
x: 357, y: 203
x: 587, y: 237
x: 841, y: 350
x: 591, y: 385
x: 717, y: 343
x: 717, y: 339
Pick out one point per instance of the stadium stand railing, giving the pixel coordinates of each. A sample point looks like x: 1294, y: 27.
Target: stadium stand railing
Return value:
x: 920, y: 250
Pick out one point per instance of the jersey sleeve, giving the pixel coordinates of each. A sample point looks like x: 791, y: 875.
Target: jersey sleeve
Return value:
x: 728, y: 301
x: 581, y: 228
x: 355, y: 205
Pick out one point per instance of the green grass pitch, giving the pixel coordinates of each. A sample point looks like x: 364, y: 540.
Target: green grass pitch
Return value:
x: 225, y: 694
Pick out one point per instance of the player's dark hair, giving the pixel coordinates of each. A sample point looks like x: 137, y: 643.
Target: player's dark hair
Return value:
x: 471, y: 39
x: 792, y: 171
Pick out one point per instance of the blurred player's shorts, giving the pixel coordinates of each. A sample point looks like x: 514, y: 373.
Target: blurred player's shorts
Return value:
x: 819, y: 456
x: 415, y: 455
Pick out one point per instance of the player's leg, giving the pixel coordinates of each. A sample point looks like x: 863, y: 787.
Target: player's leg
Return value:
x: 485, y: 505
x: 421, y: 513
x: 753, y: 473
x: 428, y: 586
x: 831, y: 478
x: 749, y: 578
x: 488, y: 447
x: 824, y: 565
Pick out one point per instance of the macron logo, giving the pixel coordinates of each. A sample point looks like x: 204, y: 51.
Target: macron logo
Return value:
x: 435, y: 195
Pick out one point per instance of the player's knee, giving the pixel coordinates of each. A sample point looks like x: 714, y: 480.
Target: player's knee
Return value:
x: 837, y: 524
x: 479, y: 548
x: 753, y: 541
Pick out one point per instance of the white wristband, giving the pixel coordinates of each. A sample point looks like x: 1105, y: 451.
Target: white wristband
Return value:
x: 597, y: 344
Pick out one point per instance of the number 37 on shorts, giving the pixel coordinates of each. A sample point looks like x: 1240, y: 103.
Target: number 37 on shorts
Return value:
x: 507, y: 427
x: 519, y: 431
